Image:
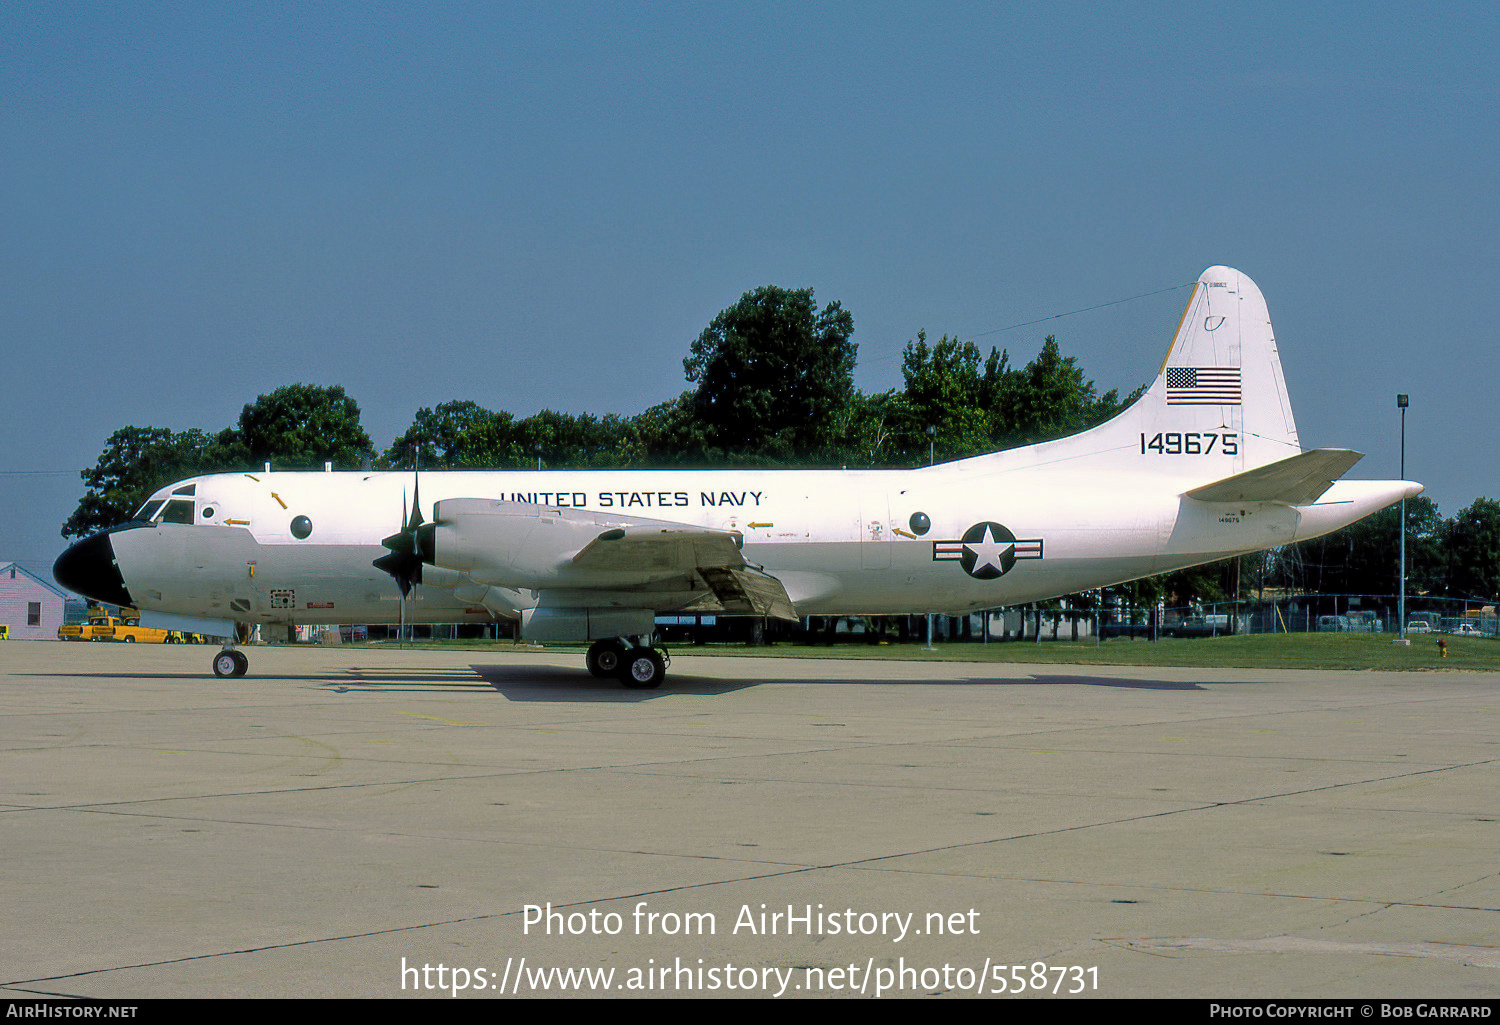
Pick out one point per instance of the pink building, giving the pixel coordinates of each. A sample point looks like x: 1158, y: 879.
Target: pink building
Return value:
x: 29, y: 605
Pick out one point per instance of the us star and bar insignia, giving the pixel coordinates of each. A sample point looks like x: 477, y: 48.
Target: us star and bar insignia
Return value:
x: 987, y: 550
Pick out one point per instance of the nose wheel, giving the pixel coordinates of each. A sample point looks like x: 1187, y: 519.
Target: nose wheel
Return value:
x: 230, y: 662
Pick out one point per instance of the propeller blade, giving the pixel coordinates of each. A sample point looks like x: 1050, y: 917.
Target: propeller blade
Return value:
x: 404, y: 559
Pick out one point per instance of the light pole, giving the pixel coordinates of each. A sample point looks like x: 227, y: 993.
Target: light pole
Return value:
x: 1401, y: 637
x: 931, y: 459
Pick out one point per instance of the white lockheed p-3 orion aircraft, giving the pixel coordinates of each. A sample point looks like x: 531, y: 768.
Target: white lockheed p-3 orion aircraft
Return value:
x: 1204, y: 466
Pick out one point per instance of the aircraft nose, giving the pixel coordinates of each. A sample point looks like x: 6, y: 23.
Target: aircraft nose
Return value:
x: 89, y: 568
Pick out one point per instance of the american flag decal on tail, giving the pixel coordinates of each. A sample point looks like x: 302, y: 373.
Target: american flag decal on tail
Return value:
x: 1203, y: 386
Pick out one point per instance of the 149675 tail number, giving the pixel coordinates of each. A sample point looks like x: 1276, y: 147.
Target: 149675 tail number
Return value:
x: 1191, y: 443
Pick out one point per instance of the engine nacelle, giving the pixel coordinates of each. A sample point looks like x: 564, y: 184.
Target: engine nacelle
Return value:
x: 519, y: 545
x: 511, y: 544
x: 577, y: 624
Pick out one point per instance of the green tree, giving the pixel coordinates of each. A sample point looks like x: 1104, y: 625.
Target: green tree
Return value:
x: 458, y: 435
x: 1048, y: 398
x: 304, y: 425
x: 1363, y: 557
x: 298, y: 425
x: 667, y: 434
x: 868, y: 432
x: 565, y: 439
x: 138, y: 460
x: 944, y: 391
x: 772, y: 372
x: 1471, y: 551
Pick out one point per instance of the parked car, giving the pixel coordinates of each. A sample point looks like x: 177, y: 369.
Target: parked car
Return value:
x: 1417, y: 626
x: 1467, y: 630
x: 99, y: 625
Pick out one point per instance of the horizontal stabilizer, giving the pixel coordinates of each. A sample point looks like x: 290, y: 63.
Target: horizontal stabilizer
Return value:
x: 1298, y: 480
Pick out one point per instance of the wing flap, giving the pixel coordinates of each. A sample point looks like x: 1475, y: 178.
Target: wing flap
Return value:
x: 1297, y: 480
x: 749, y: 592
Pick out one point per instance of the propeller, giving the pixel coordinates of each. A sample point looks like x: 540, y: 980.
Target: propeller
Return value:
x: 404, y: 560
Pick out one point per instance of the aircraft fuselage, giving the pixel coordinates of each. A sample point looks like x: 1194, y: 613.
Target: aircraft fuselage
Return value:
x: 845, y: 542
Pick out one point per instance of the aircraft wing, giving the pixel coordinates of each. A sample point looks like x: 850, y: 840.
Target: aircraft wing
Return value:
x: 653, y: 549
x: 596, y: 556
x: 1298, y: 480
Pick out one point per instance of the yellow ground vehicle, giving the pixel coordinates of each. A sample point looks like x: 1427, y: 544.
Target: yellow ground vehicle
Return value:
x: 130, y: 631
x: 89, y: 630
x: 126, y: 628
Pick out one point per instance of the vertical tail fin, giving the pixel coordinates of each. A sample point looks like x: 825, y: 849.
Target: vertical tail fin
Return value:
x: 1217, y: 407
x: 1223, y: 374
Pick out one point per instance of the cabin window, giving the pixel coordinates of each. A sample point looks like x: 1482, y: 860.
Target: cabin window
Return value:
x: 920, y: 524
x: 301, y: 527
x: 179, y: 510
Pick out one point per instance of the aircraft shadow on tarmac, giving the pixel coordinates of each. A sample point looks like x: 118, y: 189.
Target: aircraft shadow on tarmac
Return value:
x: 458, y: 679
x: 557, y: 683
x: 1104, y: 681
x: 549, y: 683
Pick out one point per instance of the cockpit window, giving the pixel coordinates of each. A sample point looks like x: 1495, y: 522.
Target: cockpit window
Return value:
x: 148, y: 510
x: 186, y: 489
x: 179, y: 510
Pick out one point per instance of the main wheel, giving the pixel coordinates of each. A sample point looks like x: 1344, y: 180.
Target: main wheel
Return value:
x: 644, y: 669
x: 604, y: 658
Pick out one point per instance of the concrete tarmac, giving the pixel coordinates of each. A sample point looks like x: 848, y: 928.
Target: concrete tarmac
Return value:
x: 348, y: 822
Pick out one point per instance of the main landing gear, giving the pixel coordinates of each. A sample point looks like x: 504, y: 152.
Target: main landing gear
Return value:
x: 639, y: 666
x: 230, y: 662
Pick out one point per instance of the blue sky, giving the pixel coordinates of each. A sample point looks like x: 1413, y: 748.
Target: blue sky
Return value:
x: 542, y: 205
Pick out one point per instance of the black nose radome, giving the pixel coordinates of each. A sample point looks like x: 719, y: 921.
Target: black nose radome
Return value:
x: 88, y: 568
